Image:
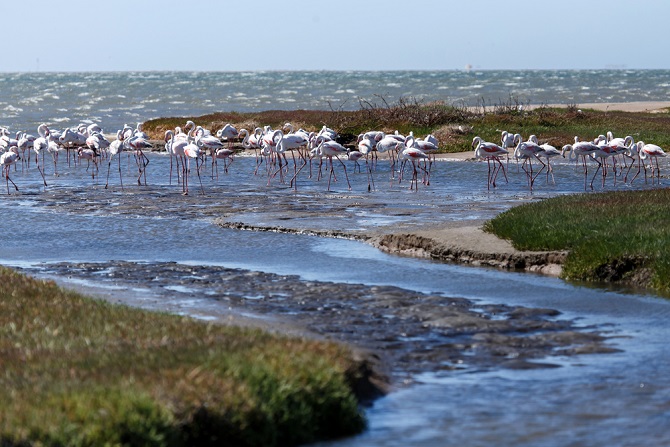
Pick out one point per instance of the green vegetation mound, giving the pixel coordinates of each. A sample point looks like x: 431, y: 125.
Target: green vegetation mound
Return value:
x: 82, y: 372
x: 619, y: 236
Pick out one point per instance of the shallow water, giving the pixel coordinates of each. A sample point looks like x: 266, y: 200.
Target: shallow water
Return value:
x: 606, y: 399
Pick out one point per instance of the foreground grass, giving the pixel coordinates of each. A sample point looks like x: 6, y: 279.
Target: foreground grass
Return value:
x: 618, y: 236
x: 77, y: 371
x: 453, y: 125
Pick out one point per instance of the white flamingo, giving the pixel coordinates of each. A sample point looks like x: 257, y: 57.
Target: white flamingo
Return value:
x: 580, y: 149
x: 527, y: 150
x: 6, y: 161
x: 490, y: 152
x: 40, y: 146
x: 330, y: 149
x: 228, y: 133
x: 115, y: 148
x: 211, y: 144
x: 415, y: 155
x: 192, y: 152
x: 651, y: 152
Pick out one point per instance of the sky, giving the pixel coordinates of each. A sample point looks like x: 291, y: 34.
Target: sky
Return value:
x: 224, y: 35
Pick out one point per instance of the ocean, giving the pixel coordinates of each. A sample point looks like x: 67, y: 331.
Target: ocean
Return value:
x: 113, y: 99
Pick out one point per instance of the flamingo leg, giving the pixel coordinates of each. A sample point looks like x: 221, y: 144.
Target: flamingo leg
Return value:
x: 109, y: 166
x: 596, y: 173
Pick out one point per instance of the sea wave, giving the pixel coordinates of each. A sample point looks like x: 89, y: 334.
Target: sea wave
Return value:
x: 120, y: 95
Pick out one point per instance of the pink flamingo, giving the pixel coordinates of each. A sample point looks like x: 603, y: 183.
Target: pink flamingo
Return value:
x: 115, y: 148
x: 580, y: 149
x: 228, y: 133
x: 192, y: 151
x: 6, y: 161
x: 41, y: 145
x: 529, y: 150
x: 651, y: 152
x: 603, y: 152
x: 89, y: 155
x: 136, y: 143
x: 415, y: 155
x: 330, y: 149
x: 490, y: 152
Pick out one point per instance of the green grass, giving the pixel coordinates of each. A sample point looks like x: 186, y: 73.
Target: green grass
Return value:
x: 77, y: 371
x: 617, y: 236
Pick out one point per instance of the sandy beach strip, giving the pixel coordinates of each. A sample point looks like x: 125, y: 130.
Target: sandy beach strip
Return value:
x: 638, y: 106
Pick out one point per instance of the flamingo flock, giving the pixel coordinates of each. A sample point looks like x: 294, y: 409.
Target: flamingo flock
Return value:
x: 282, y: 155
x: 86, y: 143
x: 611, y: 155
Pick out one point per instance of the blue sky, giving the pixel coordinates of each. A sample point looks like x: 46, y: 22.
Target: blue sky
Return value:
x: 78, y: 35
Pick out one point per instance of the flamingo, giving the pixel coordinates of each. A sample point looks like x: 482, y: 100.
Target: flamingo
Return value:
x: 364, y: 148
x: 54, y: 149
x: 391, y: 144
x: 41, y: 145
x: 508, y: 141
x: 136, y: 143
x: 269, y: 141
x: 652, y: 152
x: 620, y: 146
x: 26, y: 142
x: 427, y: 147
x: 580, y: 149
x: 97, y: 142
x: 490, y: 152
x: 176, y: 143
x: 138, y: 132
x: 252, y: 141
x: 226, y: 155
x: 192, y: 151
x: 529, y: 150
x: 548, y: 152
x: 115, y: 148
x: 600, y: 155
x: 330, y: 149
x: 89, y: 155
x: 424, y: 147
x: 415, y: 155
x: 6, y: 160
x: 71, y: 139
x: 292, y: 142
x: 228, y: 133
x: 328, y: 132
x: 6, y: 142
x: 212, y: 144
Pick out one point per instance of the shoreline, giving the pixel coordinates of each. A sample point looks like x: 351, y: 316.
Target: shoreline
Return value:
x: 463, y: 243
x: 632, y: 107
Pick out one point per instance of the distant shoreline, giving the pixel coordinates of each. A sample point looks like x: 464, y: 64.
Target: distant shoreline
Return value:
x: 635, y: 106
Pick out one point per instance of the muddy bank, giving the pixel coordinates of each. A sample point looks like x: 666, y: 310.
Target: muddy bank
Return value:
x: 407, y: 331
x: 470, y: 245
x: 463, y: 244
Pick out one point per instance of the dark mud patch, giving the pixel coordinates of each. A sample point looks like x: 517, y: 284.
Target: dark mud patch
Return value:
x: 409, y: 332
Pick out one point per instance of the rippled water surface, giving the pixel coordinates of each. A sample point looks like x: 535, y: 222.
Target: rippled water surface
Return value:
x: 115, y: 98
x: 619, y: 399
